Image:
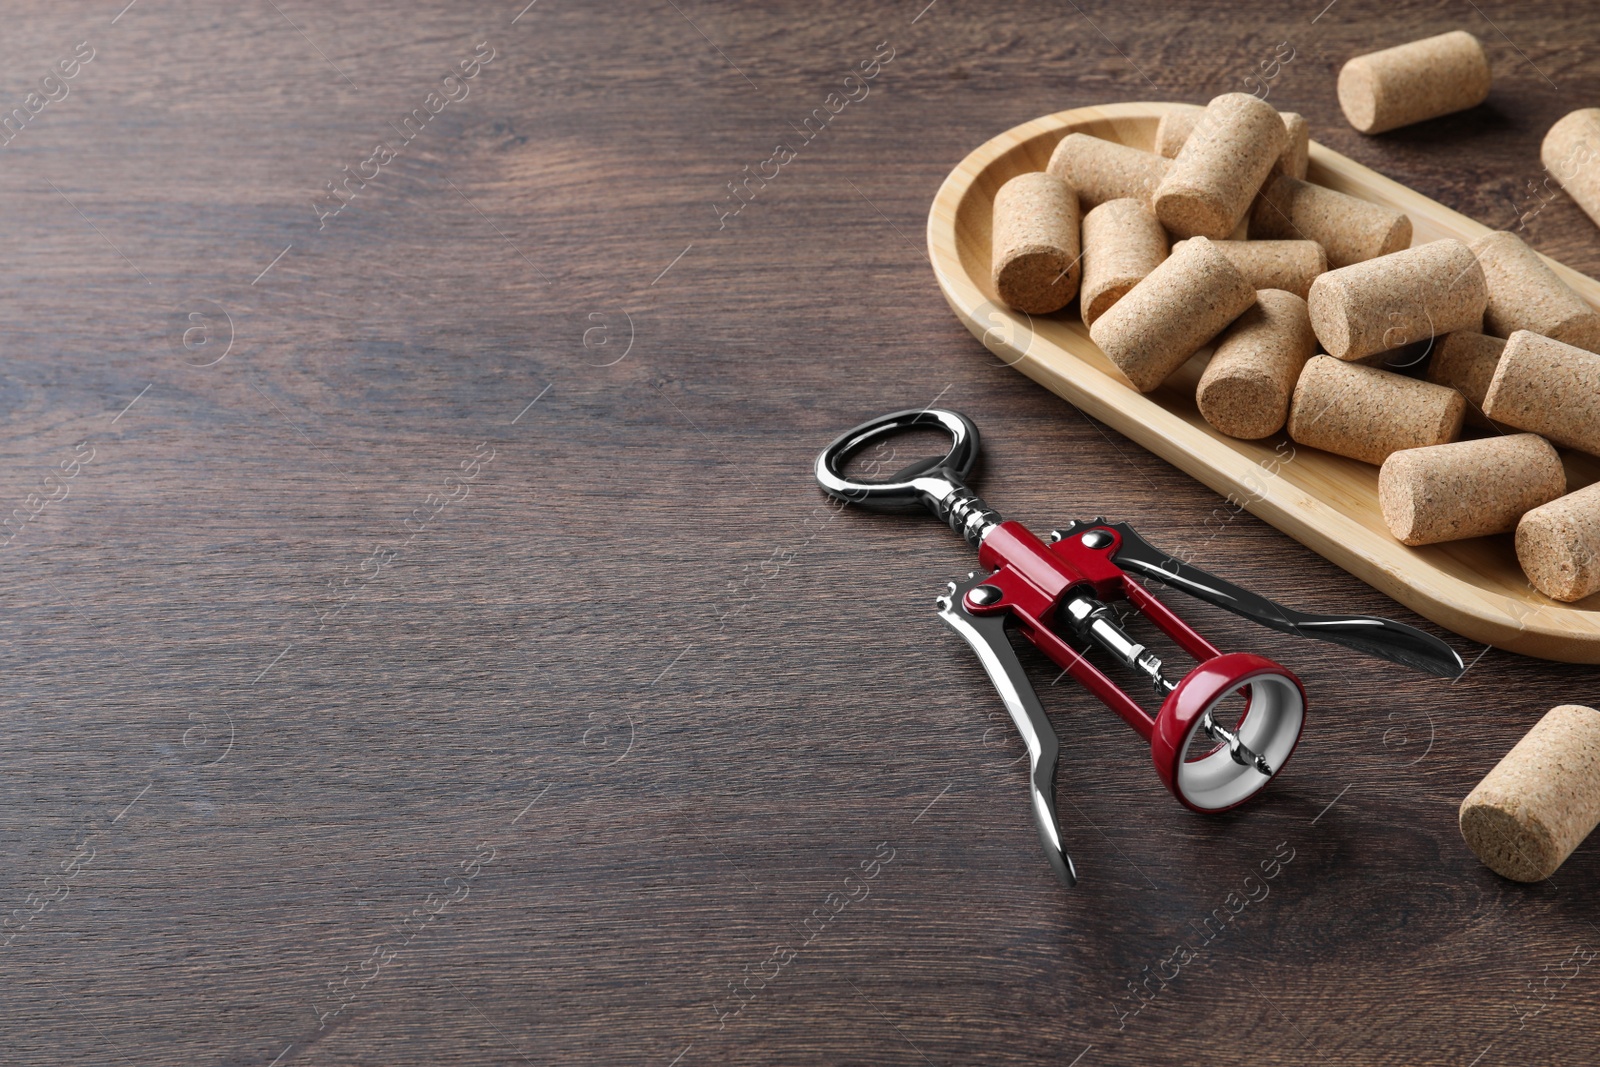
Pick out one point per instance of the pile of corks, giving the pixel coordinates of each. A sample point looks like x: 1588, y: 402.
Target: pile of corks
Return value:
x: 1326, y: 287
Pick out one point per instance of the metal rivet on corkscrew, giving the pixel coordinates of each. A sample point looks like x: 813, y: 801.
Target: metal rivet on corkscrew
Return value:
x: 1223, y: 730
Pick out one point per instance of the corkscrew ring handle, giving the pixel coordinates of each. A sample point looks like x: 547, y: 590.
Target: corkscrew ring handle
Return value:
x: 910, y: 488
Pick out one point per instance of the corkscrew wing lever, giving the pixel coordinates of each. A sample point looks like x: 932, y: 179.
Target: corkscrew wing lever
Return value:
x: 987, y: 636
x: 1385, y: 638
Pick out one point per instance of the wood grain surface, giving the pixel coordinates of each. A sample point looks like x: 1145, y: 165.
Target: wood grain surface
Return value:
x: 425, y: 643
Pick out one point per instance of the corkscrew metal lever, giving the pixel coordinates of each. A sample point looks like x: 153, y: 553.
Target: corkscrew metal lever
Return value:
x: 1223, y: 730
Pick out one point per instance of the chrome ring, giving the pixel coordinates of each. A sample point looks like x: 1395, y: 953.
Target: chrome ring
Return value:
x: 901, y: 491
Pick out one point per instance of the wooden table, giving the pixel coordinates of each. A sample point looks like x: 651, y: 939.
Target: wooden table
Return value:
x: 425, y: 643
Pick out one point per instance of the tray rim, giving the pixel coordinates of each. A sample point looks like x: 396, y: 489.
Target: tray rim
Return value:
x: 1534, y: 626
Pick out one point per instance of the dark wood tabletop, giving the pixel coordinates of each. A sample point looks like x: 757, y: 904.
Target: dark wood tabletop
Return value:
x: 425, y: 642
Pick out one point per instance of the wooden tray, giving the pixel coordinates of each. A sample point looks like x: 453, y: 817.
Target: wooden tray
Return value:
x: 1326, y: 502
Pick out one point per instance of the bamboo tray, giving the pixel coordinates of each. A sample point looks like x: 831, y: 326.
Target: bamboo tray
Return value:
x: 1326, y: 502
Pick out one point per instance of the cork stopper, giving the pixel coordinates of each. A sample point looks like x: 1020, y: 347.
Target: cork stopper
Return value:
x: 1368, y: 414
x: 1174, y: 128
x: 1296, y: 157
x: 1412, y: 82
x: 1035, y: 242
x: 1467, y: 489
x: 1245, y: 389
x: 1178, y: 123
x: 1222, y: 166
x: 1166, y: 318
x: 1465, y: 361
x: 1288, y: 265
x: 1396, y: 299
x: 1349, y: 229
x: 1122, y: 244
x: 1525, y: 294
x: 1570, y: 153
x: 1558, y: 545
x: 1539, y: 803
x: 1550, y: 388
x: 1103, y: 170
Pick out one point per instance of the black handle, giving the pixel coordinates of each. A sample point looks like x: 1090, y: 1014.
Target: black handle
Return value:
x: 1373, y: 636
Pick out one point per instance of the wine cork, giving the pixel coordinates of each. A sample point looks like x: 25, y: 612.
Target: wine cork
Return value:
x: 1122, y: 243
x: 1103, y: 170
x: 1221, y: 168
x: 1035, y: 241
x: 1411, y: 82
x: 1166, y: 318
x: 1396, y: 299
x: 1468, y: 488
x: 1570, y: 153
x: 1550, y: 388
x: 1525, y: 294
x: 1296, y: 156
x: 1174, y: 128
x: 1465, y: 361
x: 1177, y: 123
x: 1558, y: 545
x: 1368, y: 414
x: 1350, y: 230
x: 1245, y: 389
x: 1539, y: 803
x: 1287, y: 265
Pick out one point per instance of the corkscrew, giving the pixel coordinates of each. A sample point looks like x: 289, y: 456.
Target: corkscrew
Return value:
x: 1222, y: 731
